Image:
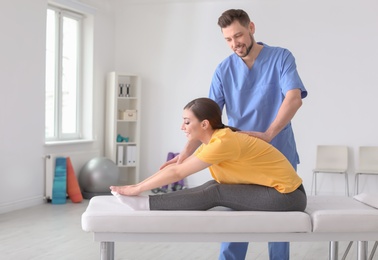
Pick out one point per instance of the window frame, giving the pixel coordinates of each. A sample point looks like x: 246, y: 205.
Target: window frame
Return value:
x: 58, y: 134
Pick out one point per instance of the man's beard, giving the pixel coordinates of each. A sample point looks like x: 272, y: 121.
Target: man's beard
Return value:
x: 249, y: 48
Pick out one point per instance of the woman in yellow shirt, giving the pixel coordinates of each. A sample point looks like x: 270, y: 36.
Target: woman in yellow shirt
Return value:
x: 249, y: 174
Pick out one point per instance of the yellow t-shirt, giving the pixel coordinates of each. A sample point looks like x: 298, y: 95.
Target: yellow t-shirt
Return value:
x: 237, y: 158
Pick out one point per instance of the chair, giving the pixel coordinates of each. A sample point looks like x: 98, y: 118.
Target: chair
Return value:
x: 331, y: 159
x: 367, y: 164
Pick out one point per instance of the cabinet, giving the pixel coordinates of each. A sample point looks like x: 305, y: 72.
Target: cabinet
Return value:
x: 122, y: 129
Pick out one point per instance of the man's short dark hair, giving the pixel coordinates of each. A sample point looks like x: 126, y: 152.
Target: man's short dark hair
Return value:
x: 229, y: 16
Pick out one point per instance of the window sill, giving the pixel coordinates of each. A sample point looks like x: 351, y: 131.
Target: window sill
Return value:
x: 80, y: 141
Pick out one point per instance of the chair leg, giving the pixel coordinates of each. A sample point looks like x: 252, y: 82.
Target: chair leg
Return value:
x: 373, y: 250
x: 346, y: 184
x: 313, y: 185
x: 316, y: 183
x: 347, y: 250
x: 356, y: 184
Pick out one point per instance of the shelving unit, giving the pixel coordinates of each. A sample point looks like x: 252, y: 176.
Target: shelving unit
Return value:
x: 122, y: 130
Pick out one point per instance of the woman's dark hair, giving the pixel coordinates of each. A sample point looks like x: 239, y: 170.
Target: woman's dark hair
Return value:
x: 208, y: 109
x: 229, y: 16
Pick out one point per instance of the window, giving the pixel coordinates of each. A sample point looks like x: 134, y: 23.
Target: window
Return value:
x: 64, y: 84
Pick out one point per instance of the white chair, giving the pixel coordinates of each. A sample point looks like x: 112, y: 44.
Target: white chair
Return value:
x: 367, y: 164
x: 331, y: 159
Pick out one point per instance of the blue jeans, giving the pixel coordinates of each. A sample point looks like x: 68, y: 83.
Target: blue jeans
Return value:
x: 238, y: 250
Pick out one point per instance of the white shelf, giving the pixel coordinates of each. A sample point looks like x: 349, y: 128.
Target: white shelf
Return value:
x: 131, y: 98
x: 126, y: 166
x: 126, y: 143
x: 117, y: 109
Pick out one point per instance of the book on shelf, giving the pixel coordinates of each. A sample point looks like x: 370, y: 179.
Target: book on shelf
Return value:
x: 131, y: 155
x: 120, y: 155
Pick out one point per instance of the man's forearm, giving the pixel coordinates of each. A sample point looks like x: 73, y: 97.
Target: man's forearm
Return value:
x: 289, y: 107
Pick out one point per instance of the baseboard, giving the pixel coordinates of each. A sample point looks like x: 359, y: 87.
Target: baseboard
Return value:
x: 21, y: 204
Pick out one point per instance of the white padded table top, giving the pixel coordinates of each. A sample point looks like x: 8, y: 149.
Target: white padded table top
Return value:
x: 107, y: 214
x: 341, y: 214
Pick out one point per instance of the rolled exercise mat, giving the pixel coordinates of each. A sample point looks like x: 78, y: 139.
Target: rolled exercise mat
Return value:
x: 73, y: 188
x: 59, y: 193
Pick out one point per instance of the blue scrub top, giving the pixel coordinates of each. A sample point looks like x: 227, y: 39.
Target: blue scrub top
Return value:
x: 253, y: 96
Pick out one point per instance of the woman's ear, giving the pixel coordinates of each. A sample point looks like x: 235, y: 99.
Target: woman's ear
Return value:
x: 205, y: 124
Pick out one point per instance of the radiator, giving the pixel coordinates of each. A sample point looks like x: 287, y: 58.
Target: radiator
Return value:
x: 78, y: 159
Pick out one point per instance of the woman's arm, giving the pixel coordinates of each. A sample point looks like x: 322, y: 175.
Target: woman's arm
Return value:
x: 165, y: 176
x: 188, y: 150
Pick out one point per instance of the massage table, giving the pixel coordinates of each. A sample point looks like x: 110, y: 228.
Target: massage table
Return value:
x: 327, y: 218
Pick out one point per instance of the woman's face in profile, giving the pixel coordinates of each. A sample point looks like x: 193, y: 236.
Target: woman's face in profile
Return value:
x: 191, y: 125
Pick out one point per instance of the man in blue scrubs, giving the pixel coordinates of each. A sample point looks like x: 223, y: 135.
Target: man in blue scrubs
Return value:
x: 261, y: 90
x: 260, y: 87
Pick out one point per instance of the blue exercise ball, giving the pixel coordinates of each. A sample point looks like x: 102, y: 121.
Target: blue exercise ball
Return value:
x: 98, y: 174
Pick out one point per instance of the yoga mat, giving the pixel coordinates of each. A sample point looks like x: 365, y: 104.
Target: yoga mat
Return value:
x: 73, y: 188
x: 59, y: 193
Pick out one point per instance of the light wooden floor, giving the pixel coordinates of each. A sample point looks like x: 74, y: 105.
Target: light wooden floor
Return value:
x: 53, y: 232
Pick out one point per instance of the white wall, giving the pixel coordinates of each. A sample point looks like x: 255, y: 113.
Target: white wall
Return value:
x: 175, y: 46
x: 22, y: 51
x: 22, y: 101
